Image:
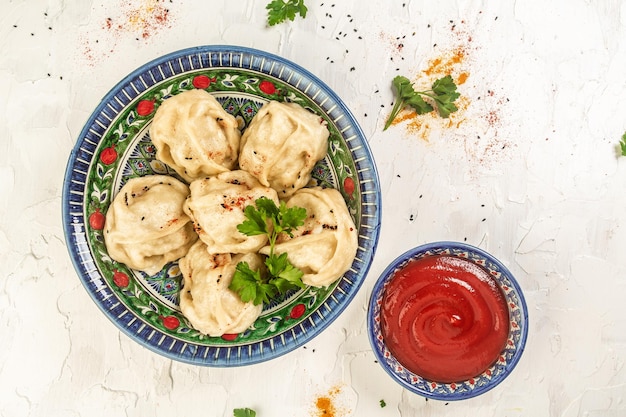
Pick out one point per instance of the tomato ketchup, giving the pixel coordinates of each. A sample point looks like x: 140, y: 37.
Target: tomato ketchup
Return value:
x: 444, y: 318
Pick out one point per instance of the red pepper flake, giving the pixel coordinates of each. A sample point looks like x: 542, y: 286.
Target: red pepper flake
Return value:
x: 141, y: 19
x: 239, y: 202
x: 171, y: 222
x: 146, y: 18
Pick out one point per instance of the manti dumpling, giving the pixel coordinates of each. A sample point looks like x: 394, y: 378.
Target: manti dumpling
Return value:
x: 325, y: 246
x: 194, y: 135
x: 205, y: 299
x: 216, y: 206
x: 145, y: 225
x: 282, y: 144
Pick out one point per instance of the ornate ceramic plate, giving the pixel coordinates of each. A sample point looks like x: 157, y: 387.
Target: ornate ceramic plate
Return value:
x: 506, y: 361
x: 115, y: 145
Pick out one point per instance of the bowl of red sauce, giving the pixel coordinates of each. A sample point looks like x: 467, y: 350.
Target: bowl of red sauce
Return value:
x: 447, y: 321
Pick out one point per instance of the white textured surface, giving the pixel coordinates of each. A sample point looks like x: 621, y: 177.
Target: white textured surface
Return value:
x: 529, y: 171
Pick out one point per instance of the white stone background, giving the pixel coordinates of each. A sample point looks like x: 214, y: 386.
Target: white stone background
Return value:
x: 530, y: 172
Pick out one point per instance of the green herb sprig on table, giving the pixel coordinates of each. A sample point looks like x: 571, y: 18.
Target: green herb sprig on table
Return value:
x: 280, y: 10
x: 271, y: 220
x: 443, y: 94
x: 244, y: 412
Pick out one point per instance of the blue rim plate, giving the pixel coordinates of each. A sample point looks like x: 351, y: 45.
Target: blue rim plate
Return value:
x: 508, y: 358
x: 114, y: 145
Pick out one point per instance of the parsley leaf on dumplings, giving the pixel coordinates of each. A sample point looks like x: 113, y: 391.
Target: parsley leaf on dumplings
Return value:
x: 281, y: 276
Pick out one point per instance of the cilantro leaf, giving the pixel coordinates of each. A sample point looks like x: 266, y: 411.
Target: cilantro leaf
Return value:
x: 275, y: 264
x: 282, y: 276
x: 445, y: 86
x: 290, y: 218
x: 250, y: 285
x: 255, y: 223
x: 282, y: 285
x: 244, y: 412
x: 267, y: 206
x: 403, y: 86
x: 293, y: 275
x: 279, y: 267
x: 622, y: 144
x: 418, y: 103
x: 443, y: 94
x: 280, y: 10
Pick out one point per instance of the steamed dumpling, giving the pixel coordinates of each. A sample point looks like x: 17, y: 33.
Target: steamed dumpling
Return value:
x: 145, y: 225
x: 282, y: 144
x: 194, y: 135
x: 216, y: 206
x: 325, y: 246
x: 205, y: 299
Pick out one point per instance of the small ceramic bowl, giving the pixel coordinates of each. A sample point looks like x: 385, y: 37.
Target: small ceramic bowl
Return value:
x: 501, y: 367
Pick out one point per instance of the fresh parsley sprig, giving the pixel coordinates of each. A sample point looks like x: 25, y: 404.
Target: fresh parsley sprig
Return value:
x: 271, y: 220
x: 280, y: 10
x: 443, y: 94
x: 244, y: 412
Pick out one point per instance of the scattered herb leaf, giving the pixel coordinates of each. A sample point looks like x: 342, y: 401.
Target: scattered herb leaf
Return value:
x: 271, y: 220
x: 443, y: 94
x: 622, y: 144
x: 244, y: 412
x: 383, y: 404
x: 280, y: 10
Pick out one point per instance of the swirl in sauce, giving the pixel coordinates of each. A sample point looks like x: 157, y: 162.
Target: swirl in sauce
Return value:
x: 444, y: 318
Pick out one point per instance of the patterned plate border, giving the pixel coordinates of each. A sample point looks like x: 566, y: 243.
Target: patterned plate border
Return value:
x: 126, y: 93
x: 508, y: 358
